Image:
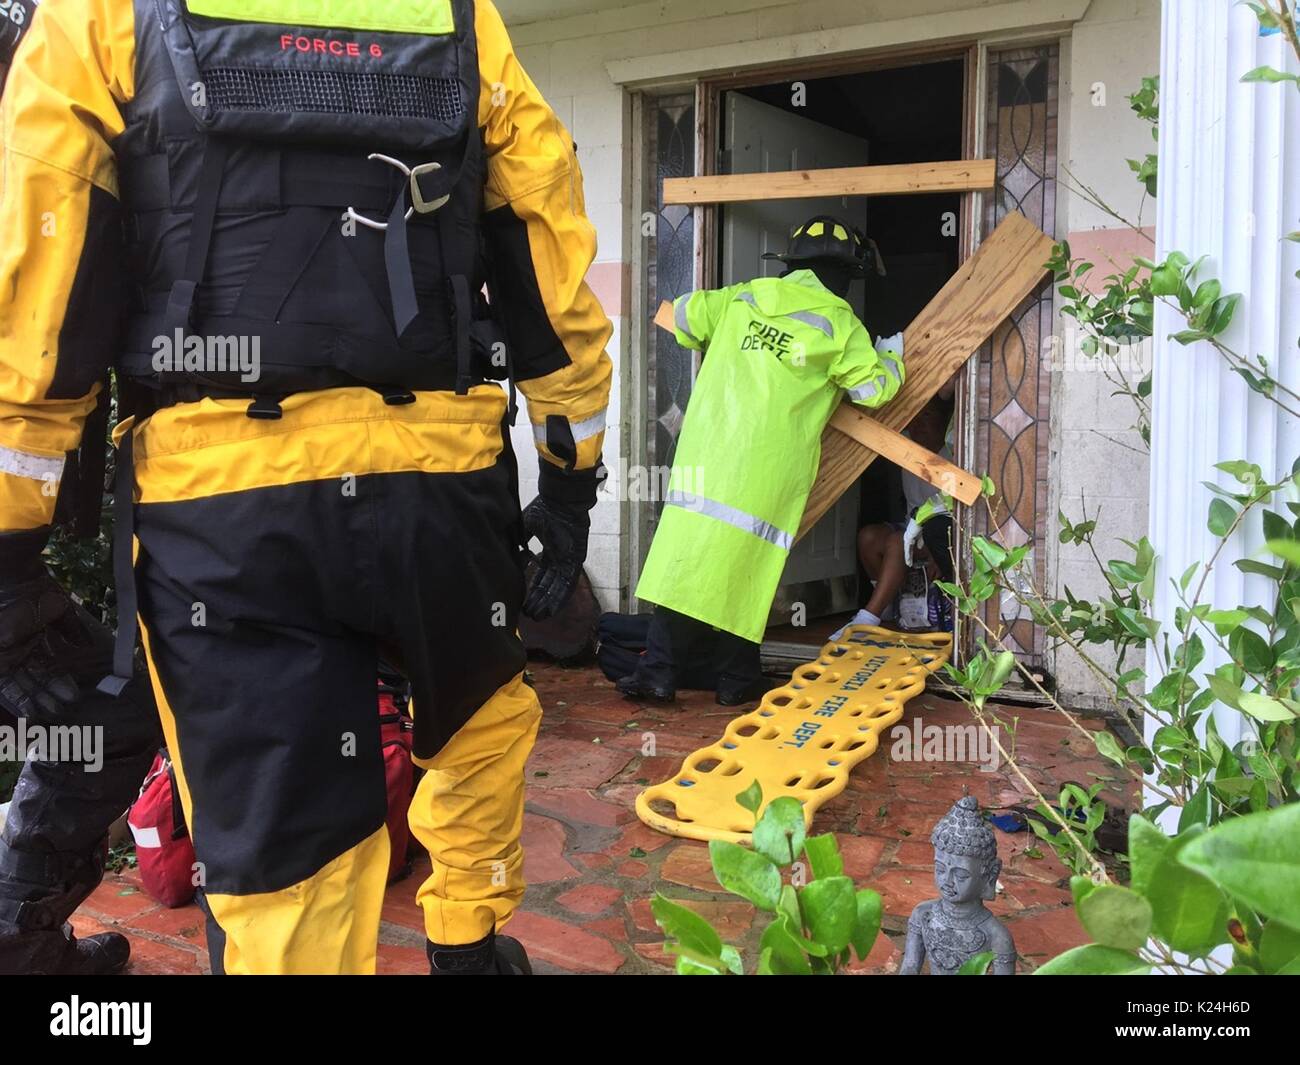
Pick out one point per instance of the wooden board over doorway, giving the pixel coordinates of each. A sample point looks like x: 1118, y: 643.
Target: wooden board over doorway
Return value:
x: 983, y: 293
x: 903, y: 179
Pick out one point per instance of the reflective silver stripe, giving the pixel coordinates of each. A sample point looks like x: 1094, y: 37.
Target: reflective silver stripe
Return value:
x: 764, y: 530
x: 814, y: 320
x: 865, y: 393
x: 679, y: 319
x: 588, y: 427
x: 34, y: 467
x: 582, y: 430
x: 807, y: 317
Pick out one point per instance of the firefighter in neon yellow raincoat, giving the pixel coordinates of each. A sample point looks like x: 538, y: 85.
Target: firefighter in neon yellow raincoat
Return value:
x: 780, y: 354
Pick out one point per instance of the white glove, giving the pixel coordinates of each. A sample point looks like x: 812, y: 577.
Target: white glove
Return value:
x: 893, y: 345
x: 910, y: 537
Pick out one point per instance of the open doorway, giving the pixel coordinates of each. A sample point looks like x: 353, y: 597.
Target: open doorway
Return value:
x: 903, y: 114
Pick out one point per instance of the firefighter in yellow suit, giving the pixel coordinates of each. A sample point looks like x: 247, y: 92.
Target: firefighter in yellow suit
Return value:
x: 276, y: 221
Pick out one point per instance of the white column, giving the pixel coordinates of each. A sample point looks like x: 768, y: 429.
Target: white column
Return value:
x: 1229, y: 190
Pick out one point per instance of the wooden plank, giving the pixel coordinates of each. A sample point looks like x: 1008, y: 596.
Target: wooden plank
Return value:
x: 911, y: 456
x: 907, y: 453
x: 983, y: 292
x: 960, y: 175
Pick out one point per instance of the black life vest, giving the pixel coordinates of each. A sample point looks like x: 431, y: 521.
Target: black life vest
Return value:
x: 244, y: 146
x: 15, y: 18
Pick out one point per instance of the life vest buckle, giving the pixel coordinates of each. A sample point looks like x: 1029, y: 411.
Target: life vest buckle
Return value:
x: 418, y: 202
x: 265, y: 408
x: 417, y: 197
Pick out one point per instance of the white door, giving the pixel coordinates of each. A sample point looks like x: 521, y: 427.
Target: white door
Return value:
x: 762, y: 139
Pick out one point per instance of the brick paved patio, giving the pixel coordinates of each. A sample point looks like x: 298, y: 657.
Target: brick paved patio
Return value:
x: 592, y: 867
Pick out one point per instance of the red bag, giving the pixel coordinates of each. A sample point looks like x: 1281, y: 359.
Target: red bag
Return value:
x: 163, y: 850
x: 399, y: 776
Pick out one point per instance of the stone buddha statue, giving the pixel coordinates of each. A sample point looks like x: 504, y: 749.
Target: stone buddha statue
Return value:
x: 957, y: 925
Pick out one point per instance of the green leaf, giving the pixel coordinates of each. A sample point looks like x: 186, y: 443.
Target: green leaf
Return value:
x: 1256, y: 858
x: 1081, y: 887
x: 1245, y: 472
x: 1146, y: 850
x: 1165, y: 279
x: 745, y: 873
x: 1264, y: 708
x: 751, y: 798
x: 1188, y: 911
x: 976, y: 965
x: 1251, y: 650
x: 992, y: 553
x: 1196, y: 811
x: 1116, y: 917
x: 1224, y: 309
x: 690, y: 935
x: 1277, y: 527
x: 823, y: 855
x: 786, y: 958
x: 1225, y: 691
x: 780, y: 832
x: 1268, y: 74
x: 1279, y: 948
x: 830, y: 911
x: 1222, y: 515
x: 1288, y: 550
x: 1206, y: 293
x: 1224, y: 621
x: 1108, y: 747
x: 1094, y: 960
x: 788, y: 908
x: 1137, y: 623
x: 1253, y: 565
x: 866, y: 926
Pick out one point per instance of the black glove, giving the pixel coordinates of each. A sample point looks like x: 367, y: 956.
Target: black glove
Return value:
x: 46, y: 640
x: 559, y: 518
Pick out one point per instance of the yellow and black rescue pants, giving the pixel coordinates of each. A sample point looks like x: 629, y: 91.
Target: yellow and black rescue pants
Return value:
x: 275, y: 562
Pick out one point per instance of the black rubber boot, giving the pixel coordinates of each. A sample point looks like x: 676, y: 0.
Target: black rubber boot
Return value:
x: 38, y: 892
x: 632, y: 688
x: 60, y: 953
x: 737, y: 692
x: 493, y: 955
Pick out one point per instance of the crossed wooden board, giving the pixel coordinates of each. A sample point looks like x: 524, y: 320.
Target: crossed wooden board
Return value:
x: 984, y: 292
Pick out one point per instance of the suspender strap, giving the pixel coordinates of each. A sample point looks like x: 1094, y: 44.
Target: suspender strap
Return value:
x: 180, y: 303
x: 90, y: 467
x: 397, y: 262
x: 425, y: 191
x: 123, y: 568
x: 462, y: 311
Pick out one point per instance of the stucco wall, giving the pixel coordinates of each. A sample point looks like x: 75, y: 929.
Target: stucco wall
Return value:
x: 1097, y: 458
x: 1115, y: 44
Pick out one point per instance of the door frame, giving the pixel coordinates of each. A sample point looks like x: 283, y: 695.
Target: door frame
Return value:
x: 708, y: 91
x: 707, y: 216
